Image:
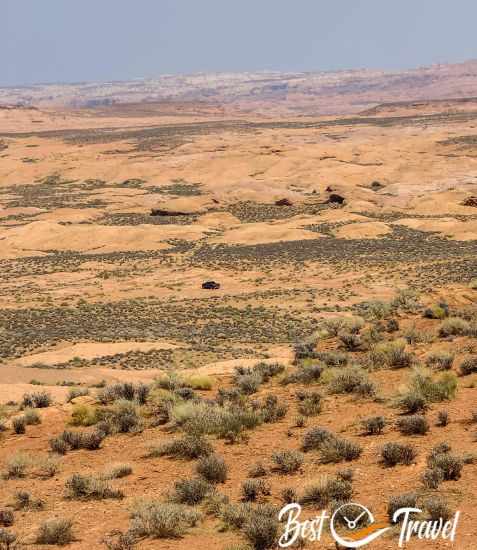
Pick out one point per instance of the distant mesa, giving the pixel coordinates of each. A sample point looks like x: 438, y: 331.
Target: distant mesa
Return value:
x: 210, y: 285
x: 470, y: 201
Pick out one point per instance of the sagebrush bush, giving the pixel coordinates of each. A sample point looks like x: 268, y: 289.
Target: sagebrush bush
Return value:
x: 152, y: 518
x: 7, y: 539
x: 373, y: 425
x: 314, y: 438
x: 124, y: 391
x: 212, y: 468
x: 116, y: 471
x: 47, y: 467
x: 271, y: 410
x: 350, y: 340
x: 261, y: 530
x: 58, y: 445
x: 189, y: 447
x: 17, y: 465
x: 432, y: 389
x: 310, y: 403
x: 449, y: 464
x: 288, y: 462
x: 23, y: 500
x: 199, y: 382
x: 440, y: 360
x: 80, y: 486
x: 55, y: 531
x: 397, y: 453
x: 413, y: 425
x: 412, y: 402
x: 432, y: 477
x: 6, y: 517
x: 289, y: 495
x: 253, y: 489
x: 191, y: 491
x: 324, y: 491
x: 249, y: 383
x: 454, y: 326
x: 123, y: 416
x: 19, y: 425
x: 352, y: 380
x: 437, y: 508
x: 31, y: 417
x: 442, y: 418
x: 392, y: 354
x: 338, y: 449
x: 437, y: 311
x: 333, y: 358
x: 406, y: 500
x: 83, y: 415
x: 36, y: 400
x: 468, y: 365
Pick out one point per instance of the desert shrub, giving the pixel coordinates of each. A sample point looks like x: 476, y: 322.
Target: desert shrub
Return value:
x: 416, y: 424
x: 6, y: 517
x: 253, y: 488
x: 412, y: 402
x: 58, y: 445
x: 437, y: 508
x: 433, y: 390
x: 288, y: 462
x: 449, y: 464
x: 326, y: 490
x: 406, y: 299
x: 338, y: 449
x: 304, y: 349
x: 191, y: 491
x: 392, y: 354
x: 120, y: 541
x: 79, y: 440
x: 249, y: 383
x: 268, y: 370
x: 31, y: 417
x: 468, y: 365
x: 214, y: 503
x: 392, y: 325
x: 271, y: 410
x: 350, y: 340
x: 437, y: 311
x: 19, y: 424
x: 47, y: 467
x: 289, y: 495
x: 7, y: 539
x: 406, y: 500
x: 123, y: 416
x: 314, y: 439
x: 212, y: 468
x: 373, y: 425
x: 333, y: 358
x: 73, y: 393
x: 432, y: 477
x: 310, y: 403
x: 261, y: 530
x: 414, y: 335
x: 55, y: 531
x: 151, y: 518
x: 300, y: 421
x: 83, y: 415
x: 80, y: 486
x: 454, y: 326
x: 397, y: 453
x: 117, y: 471
x: 189, y: 447
x: 235, y: 515
x: 124, y: 391
x: 258, y: 470
x: 440, y: 360
x: 17, y: 465
x: 307, y: 374
x: 352, y: 380
x: 23, y: 500
x: 200, y: 382
x: 36, y: 400
x: 442, y: 418
x: 375, y: 309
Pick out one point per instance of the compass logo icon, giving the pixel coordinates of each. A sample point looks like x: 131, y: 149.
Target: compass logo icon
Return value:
x: 360, y: 523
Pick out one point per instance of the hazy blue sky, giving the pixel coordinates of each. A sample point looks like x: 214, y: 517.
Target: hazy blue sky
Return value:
x: 68, y: 41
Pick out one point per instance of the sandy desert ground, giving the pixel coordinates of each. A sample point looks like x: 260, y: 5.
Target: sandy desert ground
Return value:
x: 346, y: 252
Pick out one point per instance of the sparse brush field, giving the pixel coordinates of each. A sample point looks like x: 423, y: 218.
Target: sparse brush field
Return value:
x: 211, y: 459
x: 332, y: 357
